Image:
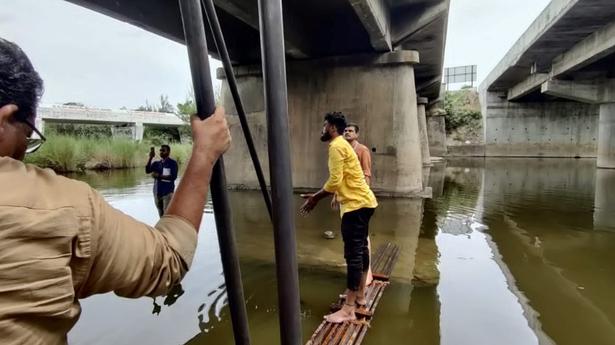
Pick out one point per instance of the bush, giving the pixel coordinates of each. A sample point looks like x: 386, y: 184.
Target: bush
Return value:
x: 463, y: 109
x: 68, y: 154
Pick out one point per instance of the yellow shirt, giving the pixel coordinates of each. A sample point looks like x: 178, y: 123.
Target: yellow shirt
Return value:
x: 61, y: 241
x: 346, y: 178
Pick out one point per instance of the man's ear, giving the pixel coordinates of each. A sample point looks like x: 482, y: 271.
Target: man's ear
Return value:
x: 5, y: 115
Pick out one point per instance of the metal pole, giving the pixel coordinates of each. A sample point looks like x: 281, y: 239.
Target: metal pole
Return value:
x: 194, y: 32
x: 216, y: 30
x: 276, y: 107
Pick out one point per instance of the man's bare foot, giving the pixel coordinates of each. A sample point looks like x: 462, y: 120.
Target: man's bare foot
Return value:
x: 370, y: 277
x: 361, y: 302
x: 342, y: 315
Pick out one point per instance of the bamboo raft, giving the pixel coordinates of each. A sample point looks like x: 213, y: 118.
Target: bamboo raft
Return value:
x: 353, y: 333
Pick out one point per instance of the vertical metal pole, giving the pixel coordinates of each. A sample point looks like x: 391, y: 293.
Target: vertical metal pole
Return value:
x: 216, y: 30
x: 276, y: 107
x: 194, y: 32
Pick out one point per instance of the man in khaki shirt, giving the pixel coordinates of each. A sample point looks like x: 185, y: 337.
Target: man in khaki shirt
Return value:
x: 59, y: 239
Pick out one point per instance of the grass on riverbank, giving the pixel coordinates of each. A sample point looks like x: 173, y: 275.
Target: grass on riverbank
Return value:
x: 69, y: 154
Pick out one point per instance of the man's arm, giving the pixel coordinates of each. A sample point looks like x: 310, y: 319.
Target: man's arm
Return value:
x: 211, y: 139
x: 134, y: 259
x: 148, y: 166
x: 366, y: 165
x: 336, y: 174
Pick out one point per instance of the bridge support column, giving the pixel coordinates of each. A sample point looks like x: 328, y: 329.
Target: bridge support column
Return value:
x: 606, y: 136
x: 426, y: 157
x: 538, y: 129
x: 436, y: 132
x: 604, y: 207
x: 39, y: 123
x: 133, y: 131
x: 375, y: 91
x: 137, y: 133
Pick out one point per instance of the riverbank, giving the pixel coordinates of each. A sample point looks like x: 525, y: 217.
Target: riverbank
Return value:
x: 73, y: 154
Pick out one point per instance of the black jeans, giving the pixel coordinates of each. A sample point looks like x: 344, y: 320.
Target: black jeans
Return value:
x: 355, y: 229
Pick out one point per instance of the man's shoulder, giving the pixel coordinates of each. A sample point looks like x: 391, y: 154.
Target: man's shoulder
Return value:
x: 42, y: 188
x: 362, y: 147
x: 340, y: 143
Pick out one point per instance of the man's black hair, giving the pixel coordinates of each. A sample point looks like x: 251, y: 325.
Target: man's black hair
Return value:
x: 338, y: 120
x: 20, y: 84
x: 356, y: 127
x: 165, y: 146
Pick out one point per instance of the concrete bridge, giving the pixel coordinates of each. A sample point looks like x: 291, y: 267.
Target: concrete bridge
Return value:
x: 375, y: 60
x: 123, y: 122
x: 553, y: 94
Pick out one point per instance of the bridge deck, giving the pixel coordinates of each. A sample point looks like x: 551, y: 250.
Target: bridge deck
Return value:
x: 353, y: 333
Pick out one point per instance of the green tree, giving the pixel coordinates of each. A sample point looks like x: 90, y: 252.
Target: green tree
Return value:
x: 165, y: 106
x: 462, y: 109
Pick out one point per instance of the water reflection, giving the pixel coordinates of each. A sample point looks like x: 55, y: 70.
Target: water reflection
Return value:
x: 509, y: 251
x: 542, y: 221
x: 604, y: 207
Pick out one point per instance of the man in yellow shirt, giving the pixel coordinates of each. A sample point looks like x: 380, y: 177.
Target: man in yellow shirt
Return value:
x: 357, y: 205
x: 61, y: 241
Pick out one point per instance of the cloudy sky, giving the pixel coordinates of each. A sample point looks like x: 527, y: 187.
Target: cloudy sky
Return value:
x: 87, y: 57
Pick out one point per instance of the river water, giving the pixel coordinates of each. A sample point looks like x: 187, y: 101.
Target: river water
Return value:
x: 509, y: 251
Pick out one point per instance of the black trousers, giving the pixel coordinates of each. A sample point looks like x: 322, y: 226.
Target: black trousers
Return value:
x: 355, y: 229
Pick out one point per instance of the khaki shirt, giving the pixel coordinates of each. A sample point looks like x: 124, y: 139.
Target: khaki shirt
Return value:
x: 60, y: 241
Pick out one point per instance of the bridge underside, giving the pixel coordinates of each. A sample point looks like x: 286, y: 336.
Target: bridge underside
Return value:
x: 313, y: 29
x: 372, y: 59
x: 553, y: 93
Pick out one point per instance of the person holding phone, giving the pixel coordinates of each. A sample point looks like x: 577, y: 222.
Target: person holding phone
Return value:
x: 164, y: 173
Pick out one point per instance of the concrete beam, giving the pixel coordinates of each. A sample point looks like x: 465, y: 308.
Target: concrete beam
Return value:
x: 374, y: 14
x: 70, y: 114
x: 529, y: 85
x: 512, y: 59
x: 412, y: 26
x: 297, y: 43
x: 427, y: 84
x: 597, y: 92
x: 398, y: 57
x: 584, y: 93
x: 593, y: 48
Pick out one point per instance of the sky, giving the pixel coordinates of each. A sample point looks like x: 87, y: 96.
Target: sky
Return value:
x: 86, y: 57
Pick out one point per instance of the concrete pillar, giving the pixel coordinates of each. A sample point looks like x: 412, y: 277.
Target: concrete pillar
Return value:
x: 375, y: 91
x: 421, y: 104
x: 133, y: 131
x: 436, y: 132
x: 137, y: 134
x: 606, y: 136
x: 604, y: 200
x: 39, y: 123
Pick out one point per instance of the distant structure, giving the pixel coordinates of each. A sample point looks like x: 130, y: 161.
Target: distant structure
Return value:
x: 125, y: 123
x: 459, y: 75
x: 553, y: 94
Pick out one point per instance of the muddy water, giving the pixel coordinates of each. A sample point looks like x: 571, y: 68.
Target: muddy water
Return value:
x: 508, y: 251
